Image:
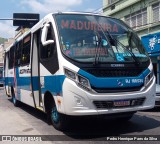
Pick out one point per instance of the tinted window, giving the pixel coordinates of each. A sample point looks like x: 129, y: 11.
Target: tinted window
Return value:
x: 48, y: 54
x: 47, y: 51
x: 11, y: 57
x: 18, y: 49
x: 25, y: 57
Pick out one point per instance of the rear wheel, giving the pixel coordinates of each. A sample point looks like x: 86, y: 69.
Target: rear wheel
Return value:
x: 14, y: 100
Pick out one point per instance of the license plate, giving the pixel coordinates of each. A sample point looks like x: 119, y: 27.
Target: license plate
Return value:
x: 121, y: 103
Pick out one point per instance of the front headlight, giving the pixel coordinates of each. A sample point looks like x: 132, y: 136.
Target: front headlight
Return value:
x: 83, y: 81
x: 149, y: 77
x: 70, y: 74
x: 80, y: 80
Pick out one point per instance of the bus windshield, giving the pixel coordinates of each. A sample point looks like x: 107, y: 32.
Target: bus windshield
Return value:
x: 92, y: 38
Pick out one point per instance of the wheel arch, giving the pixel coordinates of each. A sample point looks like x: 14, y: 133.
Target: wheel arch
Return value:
x: 48, y: 101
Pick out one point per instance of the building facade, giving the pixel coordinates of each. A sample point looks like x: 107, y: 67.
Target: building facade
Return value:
x: 3, y: 47
x: 144, y: 17
x: 8, y: 42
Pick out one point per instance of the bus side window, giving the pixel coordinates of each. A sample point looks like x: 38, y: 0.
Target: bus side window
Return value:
x: 10, y: 55
x: 48, y: 54
x: 47, y: 51
x: 25, y: 57
x: 18, y: 53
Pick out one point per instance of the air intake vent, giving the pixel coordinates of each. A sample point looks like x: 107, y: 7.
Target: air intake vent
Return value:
x: 114, y: 73
x: 117, y: 90
x: 110, y: 104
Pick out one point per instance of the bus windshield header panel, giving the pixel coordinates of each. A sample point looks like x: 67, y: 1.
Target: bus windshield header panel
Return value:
x: 92, y: 38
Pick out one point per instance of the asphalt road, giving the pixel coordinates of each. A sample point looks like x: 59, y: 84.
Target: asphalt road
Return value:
x: 25, y: 120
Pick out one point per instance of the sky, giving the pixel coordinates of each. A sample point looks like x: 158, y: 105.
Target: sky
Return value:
x: 43, y: 7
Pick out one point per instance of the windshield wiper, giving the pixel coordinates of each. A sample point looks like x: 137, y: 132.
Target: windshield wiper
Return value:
x: 98, y: 48
x: 113, y: 40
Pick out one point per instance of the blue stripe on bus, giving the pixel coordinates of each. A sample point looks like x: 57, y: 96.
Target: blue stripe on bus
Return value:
x: 35, y: 83
x: 8, y: 80
x: 116, y: 82
x: 51, y: 83
x: 54, y: 83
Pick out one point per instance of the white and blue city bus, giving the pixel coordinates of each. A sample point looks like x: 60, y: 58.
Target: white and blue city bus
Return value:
x: 80, y: 64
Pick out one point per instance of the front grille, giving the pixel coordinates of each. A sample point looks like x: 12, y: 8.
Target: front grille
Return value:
x: 116, y: 90
x: 157, y: 93
x: 157, y: 103
x: 114, y: 73
x: 110, y: 104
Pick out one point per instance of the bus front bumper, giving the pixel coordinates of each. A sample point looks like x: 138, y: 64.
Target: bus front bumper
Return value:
x: 77, y: 101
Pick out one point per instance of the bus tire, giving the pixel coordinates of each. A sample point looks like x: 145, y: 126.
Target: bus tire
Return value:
x: 58, y: 120
x: 14, y: 100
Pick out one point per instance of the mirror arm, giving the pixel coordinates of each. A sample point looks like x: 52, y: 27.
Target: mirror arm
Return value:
x: 44, y: 36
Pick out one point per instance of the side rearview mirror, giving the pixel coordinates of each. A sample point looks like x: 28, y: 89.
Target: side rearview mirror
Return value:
x: 44, y: 40
x: 104, y: 43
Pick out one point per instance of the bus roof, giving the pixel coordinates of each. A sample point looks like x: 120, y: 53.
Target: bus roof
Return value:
x: 76, y: 12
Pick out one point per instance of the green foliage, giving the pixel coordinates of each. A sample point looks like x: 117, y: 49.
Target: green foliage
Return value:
x: 2, y: 40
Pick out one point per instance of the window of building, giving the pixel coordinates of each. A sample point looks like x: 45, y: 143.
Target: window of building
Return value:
x: 25, y: 57
x: 137, y: 19
x: 156, y: 12
x: 111, y: 1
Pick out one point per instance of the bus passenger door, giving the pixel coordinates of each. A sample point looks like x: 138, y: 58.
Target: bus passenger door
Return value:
x: 35, y: 71
x: 44, y: 64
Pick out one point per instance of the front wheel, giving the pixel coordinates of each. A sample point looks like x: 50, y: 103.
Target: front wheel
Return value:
x: 59, y: 121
